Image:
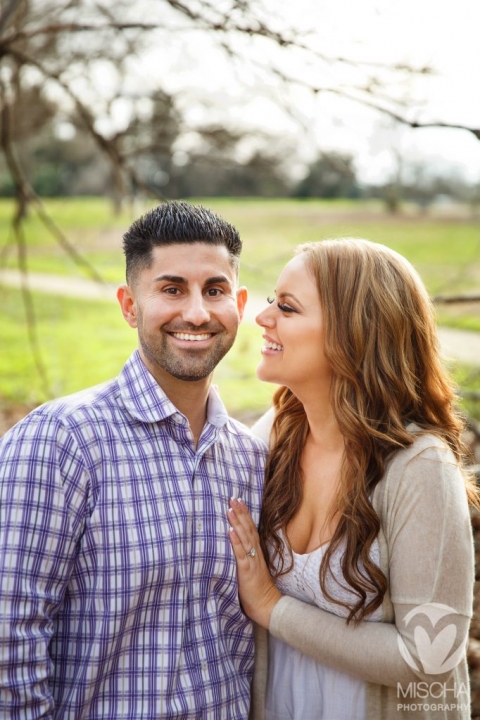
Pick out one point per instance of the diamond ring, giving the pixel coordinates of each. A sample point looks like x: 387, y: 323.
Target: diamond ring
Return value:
x: 251, y: 553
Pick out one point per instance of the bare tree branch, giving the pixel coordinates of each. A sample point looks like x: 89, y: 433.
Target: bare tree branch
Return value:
x: 453, y: 299
x: 363, y: 98
x: 26, y: 194
x: 22, y: 35
x: 406, y: 121
x: 254, y: 27
x: 8, y: 11
x: 21, y: 245
x: 470, y: 394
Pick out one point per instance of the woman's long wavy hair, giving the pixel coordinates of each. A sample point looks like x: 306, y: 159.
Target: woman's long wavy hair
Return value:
x: 381, y: 342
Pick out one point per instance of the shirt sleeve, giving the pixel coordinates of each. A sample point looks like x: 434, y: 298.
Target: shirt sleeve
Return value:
x: 38, y: 538
x: 428, y: 530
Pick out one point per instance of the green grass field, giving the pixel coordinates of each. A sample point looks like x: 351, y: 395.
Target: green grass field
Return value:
x: 444, y: 249
x: 85, y: 342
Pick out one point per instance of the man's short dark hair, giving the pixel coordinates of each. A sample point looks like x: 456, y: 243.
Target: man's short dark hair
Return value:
x: 176, y: 222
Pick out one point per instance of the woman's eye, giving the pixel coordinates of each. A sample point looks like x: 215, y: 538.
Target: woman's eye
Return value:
x: 285, y: 308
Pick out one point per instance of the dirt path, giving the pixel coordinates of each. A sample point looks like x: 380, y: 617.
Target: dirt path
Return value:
x: 460, y: 345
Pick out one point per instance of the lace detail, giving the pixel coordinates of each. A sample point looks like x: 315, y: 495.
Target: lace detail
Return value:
x: 302, y: 581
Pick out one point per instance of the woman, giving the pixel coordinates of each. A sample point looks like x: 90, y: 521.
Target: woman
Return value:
x: 365, y: 525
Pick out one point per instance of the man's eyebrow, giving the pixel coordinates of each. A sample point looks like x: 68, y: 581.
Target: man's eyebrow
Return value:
x: 179, y: 280
x: 217, y: 280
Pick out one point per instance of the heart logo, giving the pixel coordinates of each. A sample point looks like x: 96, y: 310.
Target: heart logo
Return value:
x: 434, y: 632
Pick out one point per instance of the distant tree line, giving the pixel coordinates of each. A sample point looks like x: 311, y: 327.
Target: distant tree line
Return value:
x: 58, y: 134
x: 62, y: 159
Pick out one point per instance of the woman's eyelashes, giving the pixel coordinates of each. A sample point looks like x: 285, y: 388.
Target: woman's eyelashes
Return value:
x: 286, y: 308
x: 281, y: 306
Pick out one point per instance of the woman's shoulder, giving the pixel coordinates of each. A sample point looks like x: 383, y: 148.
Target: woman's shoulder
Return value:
x: 427, y: 466
x: 425, y: 446
x: 263, y: 426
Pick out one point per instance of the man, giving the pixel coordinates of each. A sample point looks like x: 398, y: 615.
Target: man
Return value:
x: 118, y: 596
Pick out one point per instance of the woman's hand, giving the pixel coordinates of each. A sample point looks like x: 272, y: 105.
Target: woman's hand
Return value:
x: 257, y: 591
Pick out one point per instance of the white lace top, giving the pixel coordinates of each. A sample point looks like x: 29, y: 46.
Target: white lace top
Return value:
x: 299, y: 688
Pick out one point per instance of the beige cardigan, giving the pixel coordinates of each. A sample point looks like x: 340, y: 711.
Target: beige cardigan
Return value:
x: 426, y: 553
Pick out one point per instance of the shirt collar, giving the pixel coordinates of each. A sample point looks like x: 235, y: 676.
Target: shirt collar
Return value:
x: 216, y: 412
x: 145, y: 400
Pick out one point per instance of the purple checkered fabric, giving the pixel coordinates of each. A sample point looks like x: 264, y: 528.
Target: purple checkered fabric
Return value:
x: 118, y: 595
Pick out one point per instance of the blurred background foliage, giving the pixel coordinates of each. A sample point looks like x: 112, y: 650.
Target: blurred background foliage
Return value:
x: 109, y: 106
x: 84, y: 340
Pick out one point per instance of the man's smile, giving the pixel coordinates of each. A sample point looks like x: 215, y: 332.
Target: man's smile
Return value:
x: 191, y: 337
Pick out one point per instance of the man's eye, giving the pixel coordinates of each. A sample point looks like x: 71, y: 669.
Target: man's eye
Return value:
x: 214, y: 292
x: 171, y: 290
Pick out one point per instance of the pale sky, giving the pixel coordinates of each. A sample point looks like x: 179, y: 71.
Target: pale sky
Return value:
x: 440, y: 33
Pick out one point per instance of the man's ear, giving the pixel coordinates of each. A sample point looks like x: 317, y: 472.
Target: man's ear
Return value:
x: 242, y: 295
x: 126, y: 299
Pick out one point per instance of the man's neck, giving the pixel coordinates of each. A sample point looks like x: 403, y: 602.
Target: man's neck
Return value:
x: 191, y: 399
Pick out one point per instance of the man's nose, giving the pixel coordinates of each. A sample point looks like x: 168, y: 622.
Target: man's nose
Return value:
x: 195, y: 310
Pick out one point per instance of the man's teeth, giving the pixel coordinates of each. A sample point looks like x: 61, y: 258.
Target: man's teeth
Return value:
x: 195, y: 338
x: 273, y: 346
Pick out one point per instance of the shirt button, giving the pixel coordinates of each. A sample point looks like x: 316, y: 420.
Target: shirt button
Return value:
x: 199, y: 525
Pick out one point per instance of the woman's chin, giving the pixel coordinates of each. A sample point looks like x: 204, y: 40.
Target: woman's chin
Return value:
x: 264, y: 375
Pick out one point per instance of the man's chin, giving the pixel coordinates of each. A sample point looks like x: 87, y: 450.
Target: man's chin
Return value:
x: 190, y: 374
x: 191, y: 378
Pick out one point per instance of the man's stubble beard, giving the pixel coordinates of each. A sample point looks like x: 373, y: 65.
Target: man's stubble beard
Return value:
x: 186, y: 365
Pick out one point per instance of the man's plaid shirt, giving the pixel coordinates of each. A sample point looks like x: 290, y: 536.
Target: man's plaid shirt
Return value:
x: 118, y: 595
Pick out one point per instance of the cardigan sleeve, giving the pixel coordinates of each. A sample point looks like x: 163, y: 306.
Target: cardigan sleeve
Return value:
x: 426, y: 522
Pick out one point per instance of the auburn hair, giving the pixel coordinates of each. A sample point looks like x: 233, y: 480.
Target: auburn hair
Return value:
x: 381, y: 342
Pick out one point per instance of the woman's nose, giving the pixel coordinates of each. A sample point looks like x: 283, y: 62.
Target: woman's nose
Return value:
x: 265, y: 318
